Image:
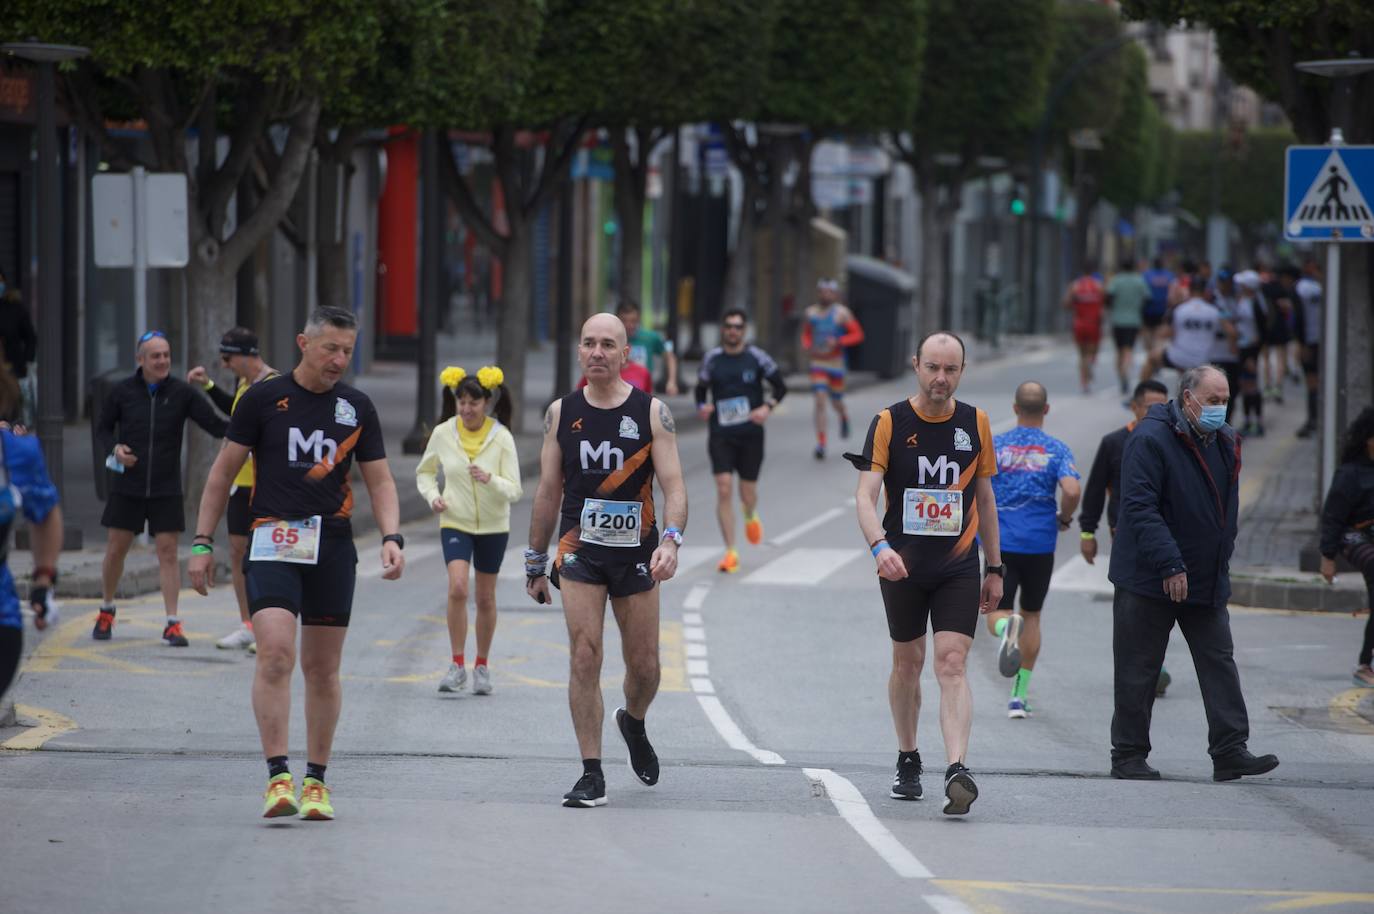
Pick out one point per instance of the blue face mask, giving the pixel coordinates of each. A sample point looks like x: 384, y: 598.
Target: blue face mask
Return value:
x: 1211, y: 418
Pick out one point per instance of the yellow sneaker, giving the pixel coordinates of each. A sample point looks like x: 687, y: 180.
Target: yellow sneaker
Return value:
x: 315, y: 800
x: 729, y: 564
x: 753, y: 530
x: 280, y: 798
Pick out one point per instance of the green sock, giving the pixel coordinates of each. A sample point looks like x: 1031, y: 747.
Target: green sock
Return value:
x: 1018, y: 689
x: 1000, y: 626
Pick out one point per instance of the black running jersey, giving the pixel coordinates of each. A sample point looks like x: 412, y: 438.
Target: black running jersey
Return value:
x: 930, y: 467
x: 303, y: 447
x: 735, y: 382
x: 608, y: 477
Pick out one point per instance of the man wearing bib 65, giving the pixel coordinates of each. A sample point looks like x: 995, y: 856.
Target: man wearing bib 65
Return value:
x: 304, y: 430
x: 934, y: 456
x: 603, y: 446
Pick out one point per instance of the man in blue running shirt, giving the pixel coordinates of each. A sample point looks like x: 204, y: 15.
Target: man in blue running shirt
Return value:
x: 1152, y: 313
x: 1030, y: 467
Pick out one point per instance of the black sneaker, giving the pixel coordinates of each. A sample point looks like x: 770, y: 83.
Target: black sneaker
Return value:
x: 174, y: 636
x: 960, y: 791
x: 643, y: 761
x: 589, y: 791
x: 104, y: 626
x: 906, y: 783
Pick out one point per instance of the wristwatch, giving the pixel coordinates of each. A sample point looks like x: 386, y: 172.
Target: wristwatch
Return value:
x: 674, y: 534
x: 999, y: 570
x: 396, y: 538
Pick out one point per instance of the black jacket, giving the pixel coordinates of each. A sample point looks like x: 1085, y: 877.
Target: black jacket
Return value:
x: 1349, y: 505
x: 151, y: 425
x: 1173, y: 516
x: 1104, y: 482
x: 17, y: 335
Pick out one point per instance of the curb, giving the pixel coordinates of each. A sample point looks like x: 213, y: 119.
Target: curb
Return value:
x: 1310, y: 596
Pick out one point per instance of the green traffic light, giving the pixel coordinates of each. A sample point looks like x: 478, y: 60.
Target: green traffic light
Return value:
x: 1018, y: 207
x: 609, y: 227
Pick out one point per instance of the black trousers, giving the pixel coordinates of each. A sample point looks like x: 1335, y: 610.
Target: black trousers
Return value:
x: 11, y: 648
x: 1362, y: 557
x: 1140, y: 636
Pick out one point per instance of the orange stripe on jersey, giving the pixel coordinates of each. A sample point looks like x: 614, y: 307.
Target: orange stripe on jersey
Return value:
x: 346, y: 509
x: 882, y: 440
x: 646, y: 498
x: 568, y: 543
x: 324, y: 467
x: 632, y: 463
x: 987, y: 456
x: 965, y: 542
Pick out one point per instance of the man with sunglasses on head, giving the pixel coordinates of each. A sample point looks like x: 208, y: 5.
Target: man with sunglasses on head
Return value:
x: 141, y: 427
x: 238, y: 351
x: 733, y: 373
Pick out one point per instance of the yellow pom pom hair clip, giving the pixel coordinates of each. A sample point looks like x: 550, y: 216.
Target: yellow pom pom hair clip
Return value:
x: 490, y: 377
x: 451, y: 376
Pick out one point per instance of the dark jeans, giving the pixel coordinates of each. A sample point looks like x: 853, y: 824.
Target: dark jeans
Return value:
x: 1362, y: 557
x: 1140, y: 636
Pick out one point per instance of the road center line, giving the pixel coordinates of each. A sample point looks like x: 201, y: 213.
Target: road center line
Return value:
x: 943, y: 904
x: 852, y: 807
x: 823, y: 518
x: 734, y: 737
x: 696, y: 596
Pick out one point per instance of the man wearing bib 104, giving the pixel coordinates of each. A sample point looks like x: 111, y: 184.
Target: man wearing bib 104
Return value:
x: 603, y: 447
x: 304, y: 430
x: 934, y: 457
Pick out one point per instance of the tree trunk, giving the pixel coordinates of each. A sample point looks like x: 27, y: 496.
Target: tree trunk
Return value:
x: 210, y: 287
x: 740, y: 269
x: 512, y: 339
x: 631, y: 172
x: 928, y: 315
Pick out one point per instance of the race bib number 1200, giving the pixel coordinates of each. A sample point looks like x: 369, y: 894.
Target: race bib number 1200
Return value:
x: 933, y: 512
x: 295, y: 541
x: 611, y: 523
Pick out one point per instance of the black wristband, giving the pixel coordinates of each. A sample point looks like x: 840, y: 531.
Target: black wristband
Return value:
x: 396, y: 538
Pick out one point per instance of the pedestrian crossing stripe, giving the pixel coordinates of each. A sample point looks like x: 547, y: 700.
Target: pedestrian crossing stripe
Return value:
x: 1333, y: 205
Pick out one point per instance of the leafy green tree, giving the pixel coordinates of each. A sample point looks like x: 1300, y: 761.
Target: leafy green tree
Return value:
x: 983, y: 78
x: 1242, y: 175
x: 1126, y: 166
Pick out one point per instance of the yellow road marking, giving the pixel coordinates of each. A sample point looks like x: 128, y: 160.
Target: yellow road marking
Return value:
x: 61, y: 645
x: 971, y: 891
x: 1344, y: 709
x: 672, y: 669
x: 50, y: 724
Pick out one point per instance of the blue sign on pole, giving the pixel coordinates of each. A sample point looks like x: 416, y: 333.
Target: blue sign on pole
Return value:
x: 1326, y: 195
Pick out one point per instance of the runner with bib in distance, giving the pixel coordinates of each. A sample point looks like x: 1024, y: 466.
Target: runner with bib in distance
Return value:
x: 828, y: 328
x: 603, y: 447
x: 933, y: 455
x: 733, y: 374
x: 304, y: 430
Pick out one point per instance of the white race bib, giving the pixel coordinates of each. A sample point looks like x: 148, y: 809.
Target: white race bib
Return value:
x: 933, y: 512
x: 611, y: 523
x: 295, y: 541
x: 733, y: 411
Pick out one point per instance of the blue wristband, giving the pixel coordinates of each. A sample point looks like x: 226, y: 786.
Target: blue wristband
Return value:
x: 882, y: 544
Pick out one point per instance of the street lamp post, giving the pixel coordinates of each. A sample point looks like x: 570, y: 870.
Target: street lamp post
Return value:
x: 1343, y: 71
x: 49, y: 312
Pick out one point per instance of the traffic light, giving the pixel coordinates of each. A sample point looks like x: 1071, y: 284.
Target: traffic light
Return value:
x: 609, y: 227
x: 1018, y: 202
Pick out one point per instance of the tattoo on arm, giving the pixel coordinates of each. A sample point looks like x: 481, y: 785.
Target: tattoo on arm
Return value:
x: 666, y: 417
x: 548, y: 419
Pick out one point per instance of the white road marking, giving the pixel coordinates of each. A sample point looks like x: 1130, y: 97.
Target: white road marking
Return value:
x: 730, y: 732
x: 1077, y: 576
x: 822, y: 518
x: 693, y: 633
x: 943, y: 904
x: 703, y: 686
x: 852, y: 807
x: 802, y: 567
x: 698, y: 668
x: 689, y: 557
x: 696, y: 596
x: 695, y: 649
x: 691, y: 618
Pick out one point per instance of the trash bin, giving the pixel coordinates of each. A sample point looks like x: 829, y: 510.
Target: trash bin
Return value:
x: 97, y: 391
x: 880, y: 295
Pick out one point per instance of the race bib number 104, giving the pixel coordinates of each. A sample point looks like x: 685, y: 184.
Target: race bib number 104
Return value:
x: 295, y: 541
x: 933, y: 512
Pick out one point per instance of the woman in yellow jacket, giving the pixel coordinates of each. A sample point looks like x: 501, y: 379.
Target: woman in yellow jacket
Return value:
x: 481, y: 479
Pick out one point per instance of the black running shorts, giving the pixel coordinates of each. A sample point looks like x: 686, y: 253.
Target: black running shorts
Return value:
x: 1029, y: 572
x: 946, y: 600
x: 622, y: 577
x: 742, y: 454
x: 163, y: 514
x: 1125, y: 336
x: 319, y: 594
x: 239, y: 517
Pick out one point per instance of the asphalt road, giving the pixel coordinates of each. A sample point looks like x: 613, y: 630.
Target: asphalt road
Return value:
x: 772, y: 725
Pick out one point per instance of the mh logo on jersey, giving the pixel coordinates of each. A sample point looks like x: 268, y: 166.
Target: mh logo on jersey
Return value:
x: 603, y: 454
x: 317, y: 447
x: 941, y: 471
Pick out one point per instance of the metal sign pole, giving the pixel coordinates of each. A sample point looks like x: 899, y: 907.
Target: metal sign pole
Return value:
x: 1330, y: 361
x: 140, y: 250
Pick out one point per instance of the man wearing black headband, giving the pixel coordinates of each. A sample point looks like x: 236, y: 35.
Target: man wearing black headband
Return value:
x: 238, y: 351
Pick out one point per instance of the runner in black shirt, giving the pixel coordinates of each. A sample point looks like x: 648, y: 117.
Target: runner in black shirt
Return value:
x: 303, y: 429
x: 733, y: 373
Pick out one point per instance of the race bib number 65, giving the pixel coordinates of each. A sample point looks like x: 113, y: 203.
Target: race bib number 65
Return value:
x: 611, y: 523
x: 295, y: 541
x: 933, y: 512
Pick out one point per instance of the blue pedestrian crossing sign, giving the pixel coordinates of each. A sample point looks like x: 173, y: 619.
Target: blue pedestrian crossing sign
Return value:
x: 1327, y: 193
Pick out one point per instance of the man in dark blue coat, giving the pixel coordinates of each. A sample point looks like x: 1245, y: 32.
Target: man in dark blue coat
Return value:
x: 1180, y: 487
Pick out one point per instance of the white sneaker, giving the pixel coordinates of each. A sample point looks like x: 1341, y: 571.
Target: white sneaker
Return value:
x: 239, y: 639
x: 481, y: 680
x: 454, y: 679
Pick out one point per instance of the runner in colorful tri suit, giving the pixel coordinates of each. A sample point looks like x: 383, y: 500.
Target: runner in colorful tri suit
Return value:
x: 829, y: 327
x: 304, y: 430
x: 733, y: 374
x: 603, y: 447
x: 933, y: 456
